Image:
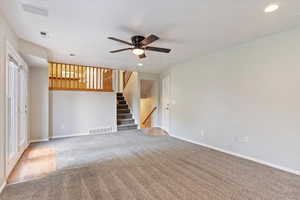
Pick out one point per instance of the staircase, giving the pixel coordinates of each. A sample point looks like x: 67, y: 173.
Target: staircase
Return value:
x: 124, y: 117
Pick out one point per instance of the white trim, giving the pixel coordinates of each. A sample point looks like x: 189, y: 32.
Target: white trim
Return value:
x: 73, y: 135
x: 39, y: 140
x: 80, y: 134
x: 241, y: 156
x: 2, y: 187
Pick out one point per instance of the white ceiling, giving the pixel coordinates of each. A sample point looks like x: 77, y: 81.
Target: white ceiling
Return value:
x: 189, y: 28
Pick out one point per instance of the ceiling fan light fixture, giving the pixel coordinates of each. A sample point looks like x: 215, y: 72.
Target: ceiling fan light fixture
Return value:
x: 138, y: 51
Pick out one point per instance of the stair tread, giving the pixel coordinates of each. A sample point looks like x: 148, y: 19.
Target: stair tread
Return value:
x: 125, y: 119
x: 126, y: 125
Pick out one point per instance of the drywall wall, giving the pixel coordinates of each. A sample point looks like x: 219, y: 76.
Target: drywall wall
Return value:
x: 38, y: 103
x: 132, y: 96
x: 243, y: 100
x: 75, y: 113
x: 6, y: 34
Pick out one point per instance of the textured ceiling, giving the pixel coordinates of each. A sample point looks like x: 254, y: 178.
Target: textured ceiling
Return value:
x: 190, y: 28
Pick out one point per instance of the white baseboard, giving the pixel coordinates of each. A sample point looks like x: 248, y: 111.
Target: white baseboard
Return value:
x: 39, y: 140
x: 241, y: 156
x: 2, y: 187
x: 79, y: 134
x: 66, y: 136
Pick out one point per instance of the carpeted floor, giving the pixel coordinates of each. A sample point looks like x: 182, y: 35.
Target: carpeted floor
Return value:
x: 134, y: 165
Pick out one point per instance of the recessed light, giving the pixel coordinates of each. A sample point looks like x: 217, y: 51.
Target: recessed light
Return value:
x: 72, y: 54
x: 271, y: 8
x: 140, y: 64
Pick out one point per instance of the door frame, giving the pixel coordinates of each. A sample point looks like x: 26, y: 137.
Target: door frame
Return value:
x: 9, y: 164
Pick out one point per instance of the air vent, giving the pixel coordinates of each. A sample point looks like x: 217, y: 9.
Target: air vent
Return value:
x: 35, y: 10
x: 104, y: 130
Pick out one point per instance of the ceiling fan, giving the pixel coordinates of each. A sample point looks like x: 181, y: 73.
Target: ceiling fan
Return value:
x: 139, y: 44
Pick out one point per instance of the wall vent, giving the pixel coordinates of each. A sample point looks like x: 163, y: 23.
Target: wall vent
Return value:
x: 35, y: 10
x: 104, y: 130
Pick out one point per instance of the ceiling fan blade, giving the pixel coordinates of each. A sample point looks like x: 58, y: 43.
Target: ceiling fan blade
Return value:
x: 151, y: 38
x: 142, y: 56
x: 163, y: 50
x: 118, y: 40
x: 119, y: 50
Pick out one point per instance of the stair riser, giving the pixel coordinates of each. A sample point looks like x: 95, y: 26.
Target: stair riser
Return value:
x: 123, y: 122
x: 120, y: 98
x: 122, y: 102
x: 122, y: 106
x: 126, y: 116
x: 127, y: 128
x: 123, y: 111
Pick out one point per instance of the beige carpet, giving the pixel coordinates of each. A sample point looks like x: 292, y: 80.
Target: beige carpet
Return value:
x: 133, y: 165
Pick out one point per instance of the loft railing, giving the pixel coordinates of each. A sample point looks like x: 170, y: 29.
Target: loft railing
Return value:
x: 78, y: 77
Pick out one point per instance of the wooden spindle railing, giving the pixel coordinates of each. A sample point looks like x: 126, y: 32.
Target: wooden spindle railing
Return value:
x: 78, y: 77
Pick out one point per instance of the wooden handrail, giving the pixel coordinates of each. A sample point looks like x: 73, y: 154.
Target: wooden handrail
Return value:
x: 149, y: 115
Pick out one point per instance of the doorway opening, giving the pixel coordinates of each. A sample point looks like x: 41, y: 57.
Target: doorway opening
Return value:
x: 148, y: 104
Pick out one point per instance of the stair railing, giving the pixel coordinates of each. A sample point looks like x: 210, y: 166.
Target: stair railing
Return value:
x: 148, y: 116
x: 79, y: 78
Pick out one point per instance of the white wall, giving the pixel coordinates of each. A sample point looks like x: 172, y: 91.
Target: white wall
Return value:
x: 132, y: 96
x: 6, y: 34
x: 247, y: 91
x: 74, y: 113
x: 38, y: 103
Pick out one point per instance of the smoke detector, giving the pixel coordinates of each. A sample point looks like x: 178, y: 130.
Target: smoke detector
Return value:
x: 44, y: 34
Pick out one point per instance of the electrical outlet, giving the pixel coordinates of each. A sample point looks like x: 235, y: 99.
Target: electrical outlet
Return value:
x: 202, y: 133
x: 246, y: 139
x: 242, y: 139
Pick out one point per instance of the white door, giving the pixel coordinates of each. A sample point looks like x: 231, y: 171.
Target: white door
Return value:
x: 16, y: 113
x: 166, y: 103
x: 23, y: 96
x: 12, y: 113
